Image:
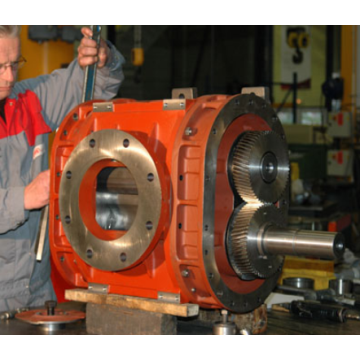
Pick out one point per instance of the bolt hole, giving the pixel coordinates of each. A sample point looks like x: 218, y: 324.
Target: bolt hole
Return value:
x: 206, y: 252
x: 92, y: 143
x: 206, y: 227
x: 68, y: 175
x: 150, y: 177
x: 123, y: 257
x: 89, y: 253
x: 67, y: 219
x: 180, y: 225
x: 181, y: 178
x: 126, y: 143
x: 149, y: 225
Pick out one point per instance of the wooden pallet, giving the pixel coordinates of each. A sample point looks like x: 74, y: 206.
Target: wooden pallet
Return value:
x: 131, y: 302
x: 111, y: 314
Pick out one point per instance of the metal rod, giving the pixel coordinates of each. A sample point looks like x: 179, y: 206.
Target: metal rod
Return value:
x: 294, y: 86
x: 90, y: 70
x: 40, y: 239
x: 279, y: 241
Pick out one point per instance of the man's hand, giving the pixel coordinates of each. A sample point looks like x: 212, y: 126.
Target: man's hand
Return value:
x: 36, y: 194
x: 89, y: 53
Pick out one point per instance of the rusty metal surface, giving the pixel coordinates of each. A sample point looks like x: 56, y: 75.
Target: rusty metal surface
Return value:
x: 40, y: 317
x: 18, y: 327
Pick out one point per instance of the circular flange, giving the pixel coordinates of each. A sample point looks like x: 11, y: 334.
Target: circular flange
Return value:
x: 243, y: 241
x: 51, y: 322
x: 126, y: 249
x: 260, y: 111
x: 260, y: 167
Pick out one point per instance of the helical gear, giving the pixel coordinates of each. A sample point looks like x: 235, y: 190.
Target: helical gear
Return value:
x: 260, y: 167
x: 260, y: 172
x: 243, y: 241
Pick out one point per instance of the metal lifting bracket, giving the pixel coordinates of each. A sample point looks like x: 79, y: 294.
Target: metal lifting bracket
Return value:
x: 262, y: 92
x: 98, y: 288
x: 169, y: 297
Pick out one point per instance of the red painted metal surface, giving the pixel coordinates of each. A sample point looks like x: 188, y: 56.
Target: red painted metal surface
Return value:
x: 177, y: 246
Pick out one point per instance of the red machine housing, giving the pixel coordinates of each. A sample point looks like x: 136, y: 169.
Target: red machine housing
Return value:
x: 190, y: 142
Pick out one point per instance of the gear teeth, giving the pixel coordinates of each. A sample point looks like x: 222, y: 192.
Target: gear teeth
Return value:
x: 242, y: 242
x: 260, y: 177
x: 241, y: 167
x: 240, y: 259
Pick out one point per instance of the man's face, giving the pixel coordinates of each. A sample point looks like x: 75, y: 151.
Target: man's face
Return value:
x: 9, y: 52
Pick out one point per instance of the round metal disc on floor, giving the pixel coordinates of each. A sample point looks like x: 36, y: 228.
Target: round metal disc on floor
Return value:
x: 50, y: 322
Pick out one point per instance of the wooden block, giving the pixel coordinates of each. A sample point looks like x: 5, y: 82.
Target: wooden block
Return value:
x: 131, y: 302
x: 115, y: 320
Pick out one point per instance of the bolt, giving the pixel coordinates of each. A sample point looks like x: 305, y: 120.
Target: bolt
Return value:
x: 224, y: 314
x: 188, y: 131
x: 185, y: 273
x: 50, y: 305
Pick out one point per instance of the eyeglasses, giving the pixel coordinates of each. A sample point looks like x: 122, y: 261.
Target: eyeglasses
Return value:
x: 15, y: 65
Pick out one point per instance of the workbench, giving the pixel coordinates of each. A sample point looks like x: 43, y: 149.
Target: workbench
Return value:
x: 279, y: 323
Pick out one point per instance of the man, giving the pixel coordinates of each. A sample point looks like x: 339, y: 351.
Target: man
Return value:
x: 29, y: 110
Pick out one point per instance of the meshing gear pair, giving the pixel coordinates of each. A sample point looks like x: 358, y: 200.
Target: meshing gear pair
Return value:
x: 257, y: 237
x: 260, y: 173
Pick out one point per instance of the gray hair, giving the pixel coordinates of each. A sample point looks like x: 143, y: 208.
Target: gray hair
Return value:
x: 9, y: 31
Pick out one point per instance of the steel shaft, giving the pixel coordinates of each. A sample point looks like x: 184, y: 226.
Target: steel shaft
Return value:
x: 321, y: 244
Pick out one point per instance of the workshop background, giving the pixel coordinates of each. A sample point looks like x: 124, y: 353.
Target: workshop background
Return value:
x: 322, y: 130
x: 313, y: 77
